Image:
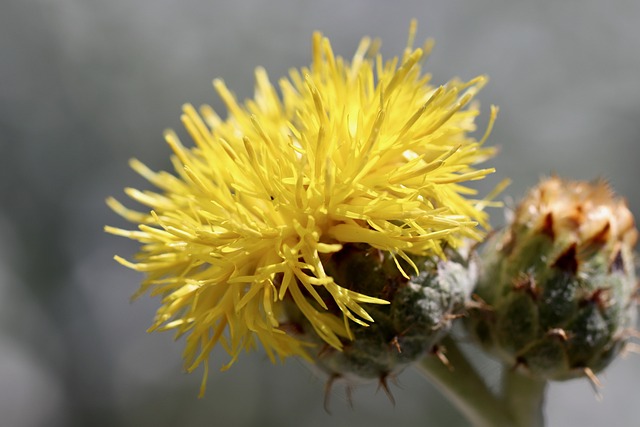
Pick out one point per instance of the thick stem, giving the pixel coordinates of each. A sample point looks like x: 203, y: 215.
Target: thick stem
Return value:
x: 524, y: 396
x: 465, y: 388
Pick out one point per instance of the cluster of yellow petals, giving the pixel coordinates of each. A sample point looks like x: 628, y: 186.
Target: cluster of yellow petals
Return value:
x: 362, y: 151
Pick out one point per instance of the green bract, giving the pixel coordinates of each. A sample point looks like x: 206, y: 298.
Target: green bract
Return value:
x: 420, y: 312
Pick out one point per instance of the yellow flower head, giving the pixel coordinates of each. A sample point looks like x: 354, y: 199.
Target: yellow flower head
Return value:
x: 352, y: 151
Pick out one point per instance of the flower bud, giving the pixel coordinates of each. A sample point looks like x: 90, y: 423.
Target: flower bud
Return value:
x: 558, y: 284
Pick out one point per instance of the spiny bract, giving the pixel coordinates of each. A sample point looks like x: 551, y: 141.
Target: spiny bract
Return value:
x: 421, y: 310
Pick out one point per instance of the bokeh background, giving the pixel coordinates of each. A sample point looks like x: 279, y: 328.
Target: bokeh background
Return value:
x: 87, y: 84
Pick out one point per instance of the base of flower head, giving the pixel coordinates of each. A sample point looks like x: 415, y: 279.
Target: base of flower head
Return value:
x: 421, y: 310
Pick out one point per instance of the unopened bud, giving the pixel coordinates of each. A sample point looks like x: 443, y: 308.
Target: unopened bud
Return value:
x: 559, y: 281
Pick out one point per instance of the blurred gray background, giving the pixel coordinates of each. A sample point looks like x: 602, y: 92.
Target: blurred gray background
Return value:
x: 87, y: 84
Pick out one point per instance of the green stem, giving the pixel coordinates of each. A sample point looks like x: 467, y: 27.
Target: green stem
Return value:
x: 465, y: 388
x: 524, y: 396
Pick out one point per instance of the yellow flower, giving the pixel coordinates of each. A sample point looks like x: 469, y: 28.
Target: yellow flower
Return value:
x: 362, y: 151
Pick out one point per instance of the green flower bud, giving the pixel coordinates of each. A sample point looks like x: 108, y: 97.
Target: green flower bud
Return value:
x: 558, y: 285
x: 420, y: 311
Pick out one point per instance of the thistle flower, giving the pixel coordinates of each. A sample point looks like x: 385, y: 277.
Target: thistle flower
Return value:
x: 361, y: 151
x: 560, y: 281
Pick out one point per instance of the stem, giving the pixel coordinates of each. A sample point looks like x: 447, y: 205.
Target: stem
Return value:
x: 525, y: 398
x: 465, y: 388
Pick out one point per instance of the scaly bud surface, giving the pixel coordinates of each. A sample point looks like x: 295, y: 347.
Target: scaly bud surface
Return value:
x: 558, y: 283
x: 421, y: 308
